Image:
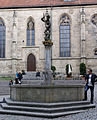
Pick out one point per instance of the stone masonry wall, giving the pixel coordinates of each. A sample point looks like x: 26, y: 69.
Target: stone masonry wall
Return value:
x: 22, y: 51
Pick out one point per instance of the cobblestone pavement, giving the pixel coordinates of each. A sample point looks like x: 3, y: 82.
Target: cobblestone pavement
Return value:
x: 90, y: 114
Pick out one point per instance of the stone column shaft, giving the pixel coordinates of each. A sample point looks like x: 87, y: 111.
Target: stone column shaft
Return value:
x: 47, y: 58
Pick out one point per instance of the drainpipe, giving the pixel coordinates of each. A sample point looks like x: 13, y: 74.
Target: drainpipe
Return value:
x: 51, y: 34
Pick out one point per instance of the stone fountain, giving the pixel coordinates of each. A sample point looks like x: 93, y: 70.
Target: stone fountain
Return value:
x: 47, y: 91
x: 47, y: 99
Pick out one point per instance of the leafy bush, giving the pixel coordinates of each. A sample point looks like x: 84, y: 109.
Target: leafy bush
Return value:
x: 53, y: 68
x: 6, y: 78
x: 82, y: 69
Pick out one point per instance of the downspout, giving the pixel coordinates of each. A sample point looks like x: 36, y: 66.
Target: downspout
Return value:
x: 51, y: 34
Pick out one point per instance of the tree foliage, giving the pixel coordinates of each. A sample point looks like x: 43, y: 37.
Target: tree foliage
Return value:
x: 82, y: 69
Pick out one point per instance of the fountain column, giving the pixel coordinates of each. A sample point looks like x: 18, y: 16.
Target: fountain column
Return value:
x: 48, y: 44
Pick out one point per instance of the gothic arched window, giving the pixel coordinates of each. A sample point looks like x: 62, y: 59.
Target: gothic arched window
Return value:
x: 65, y: 43
x: 30, y: 33
x: 2, y: 39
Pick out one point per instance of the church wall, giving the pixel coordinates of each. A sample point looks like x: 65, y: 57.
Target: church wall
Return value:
x: 91, y: 33
x: 22, y: 51
x: 74, y: 60
x: 91, y: 38
x: 38, y: 49
x: 6, y: 63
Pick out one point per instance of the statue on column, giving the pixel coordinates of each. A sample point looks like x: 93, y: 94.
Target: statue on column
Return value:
x: 47, y: 32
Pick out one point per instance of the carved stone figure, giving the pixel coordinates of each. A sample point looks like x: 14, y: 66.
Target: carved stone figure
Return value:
x: 46, y: 19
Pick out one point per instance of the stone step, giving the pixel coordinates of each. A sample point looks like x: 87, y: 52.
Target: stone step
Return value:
x: 47, y: 105
x: 31, y: 73
x: 32, y: 76
x: 48, y: 110
x: 36, y: 114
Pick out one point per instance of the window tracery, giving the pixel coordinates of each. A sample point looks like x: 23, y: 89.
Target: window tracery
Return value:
x: 2, y: 39
x: 65, y: 44
x: 30, y: 33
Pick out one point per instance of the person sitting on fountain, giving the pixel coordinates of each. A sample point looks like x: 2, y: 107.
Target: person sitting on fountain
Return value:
x: 23, y: 72
x: 37, y: 74
x: 20, y: 77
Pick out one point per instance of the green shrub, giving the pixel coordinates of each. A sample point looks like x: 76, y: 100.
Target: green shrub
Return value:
x: 6, y: 78
x: 53, y: 68
x: 82, y: 69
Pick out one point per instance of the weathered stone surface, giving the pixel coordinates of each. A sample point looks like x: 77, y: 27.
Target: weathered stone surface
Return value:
x: 47, y: 93
x: 22, y: 51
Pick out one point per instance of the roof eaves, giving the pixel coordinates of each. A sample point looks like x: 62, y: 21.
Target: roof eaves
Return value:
x: 44, y: 6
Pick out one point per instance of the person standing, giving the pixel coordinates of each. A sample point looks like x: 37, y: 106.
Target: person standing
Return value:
x: 90, y: 80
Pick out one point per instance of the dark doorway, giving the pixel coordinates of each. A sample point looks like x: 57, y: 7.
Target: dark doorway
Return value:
x: 31, y: 63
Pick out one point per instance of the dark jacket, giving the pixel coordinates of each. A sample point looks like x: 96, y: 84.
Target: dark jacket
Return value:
x: 38, y: 74
x: 20, y: 76
x: 93, y: 77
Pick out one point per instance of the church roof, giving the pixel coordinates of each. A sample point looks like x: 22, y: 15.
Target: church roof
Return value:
x: 42, y: 3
